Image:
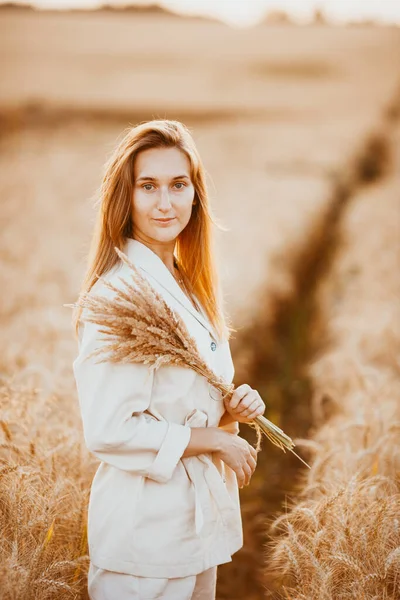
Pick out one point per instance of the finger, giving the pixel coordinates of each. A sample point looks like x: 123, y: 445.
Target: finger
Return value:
x: 245, y: 402
x: 252, y: 461
x: 238, y: 394
x: 240, y: 478
x: 243, y: 408
x: 252, y: 464
x: 243, y: 388
x: 248, y: 473
x: 235, y: 399
x: 249, y: 405
x: 253, y: 451
x: 256, y: 413
x: 258, y: 406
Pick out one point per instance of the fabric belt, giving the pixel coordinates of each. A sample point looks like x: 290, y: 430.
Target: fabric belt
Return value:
x: 202, y: 469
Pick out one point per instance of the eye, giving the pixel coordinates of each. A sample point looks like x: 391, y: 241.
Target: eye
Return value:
x: 144, y: 186
x: 180, y: 183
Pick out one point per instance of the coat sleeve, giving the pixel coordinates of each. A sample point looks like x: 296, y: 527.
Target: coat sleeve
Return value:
x: 112, y: 399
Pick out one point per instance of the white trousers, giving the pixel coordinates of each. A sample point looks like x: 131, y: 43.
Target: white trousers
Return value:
x: 110, y: 585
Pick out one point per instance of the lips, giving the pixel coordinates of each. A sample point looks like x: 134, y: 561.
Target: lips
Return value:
x: 165, y: 220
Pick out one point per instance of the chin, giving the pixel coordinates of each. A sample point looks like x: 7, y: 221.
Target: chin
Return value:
x: 164, y: 235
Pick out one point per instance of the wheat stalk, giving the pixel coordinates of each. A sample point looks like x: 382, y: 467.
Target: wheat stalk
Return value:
x: 141, y: 327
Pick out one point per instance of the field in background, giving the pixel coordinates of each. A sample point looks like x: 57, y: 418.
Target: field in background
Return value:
x: 280, y: 115
x: 341, y: 539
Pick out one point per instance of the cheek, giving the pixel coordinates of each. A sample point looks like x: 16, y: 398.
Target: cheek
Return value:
x: 186, y: 207
x: 140, y: 206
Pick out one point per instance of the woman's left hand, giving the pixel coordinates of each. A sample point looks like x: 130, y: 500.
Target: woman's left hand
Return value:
x: 245, y: 404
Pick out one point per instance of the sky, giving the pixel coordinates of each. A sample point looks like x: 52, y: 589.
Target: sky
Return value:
x: 244, y: 13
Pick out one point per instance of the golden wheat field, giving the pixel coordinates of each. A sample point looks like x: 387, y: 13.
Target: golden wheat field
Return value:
x: 299, y: 130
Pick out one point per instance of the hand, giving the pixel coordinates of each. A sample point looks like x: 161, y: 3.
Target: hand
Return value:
x: 239, y: 455
x: 245, y: 404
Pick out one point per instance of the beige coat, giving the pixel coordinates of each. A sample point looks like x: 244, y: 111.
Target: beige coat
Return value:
x: 151, y: 512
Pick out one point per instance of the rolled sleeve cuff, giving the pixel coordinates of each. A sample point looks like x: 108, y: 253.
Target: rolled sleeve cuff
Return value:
x: 175, y: 442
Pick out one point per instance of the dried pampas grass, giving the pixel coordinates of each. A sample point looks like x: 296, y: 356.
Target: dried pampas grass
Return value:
x: 141, y: 327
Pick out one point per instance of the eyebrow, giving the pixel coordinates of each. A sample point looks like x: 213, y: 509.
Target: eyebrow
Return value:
x: 149, y: 178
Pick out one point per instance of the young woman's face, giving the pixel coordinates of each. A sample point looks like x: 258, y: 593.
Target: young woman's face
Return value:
x: 162, y: 190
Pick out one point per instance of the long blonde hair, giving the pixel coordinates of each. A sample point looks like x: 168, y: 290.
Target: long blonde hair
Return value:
x: 194, y: 245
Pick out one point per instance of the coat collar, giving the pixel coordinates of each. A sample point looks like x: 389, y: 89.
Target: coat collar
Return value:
x: 142, y: 256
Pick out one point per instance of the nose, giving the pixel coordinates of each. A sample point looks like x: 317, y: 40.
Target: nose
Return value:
x: 164, y: 203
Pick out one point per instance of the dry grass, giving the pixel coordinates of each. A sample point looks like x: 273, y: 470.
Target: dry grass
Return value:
x: 140, y: 327
x: 44, y: 484
x: 341, y: 540
x: 272, y: 144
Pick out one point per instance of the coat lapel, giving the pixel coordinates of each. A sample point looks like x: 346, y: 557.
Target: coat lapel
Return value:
x: 142, y: 256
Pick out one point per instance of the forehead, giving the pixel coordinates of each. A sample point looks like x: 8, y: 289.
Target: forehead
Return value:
x: 161, y: 162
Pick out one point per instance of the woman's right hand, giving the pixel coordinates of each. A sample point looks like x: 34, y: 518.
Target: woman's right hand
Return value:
x: 239, y: 455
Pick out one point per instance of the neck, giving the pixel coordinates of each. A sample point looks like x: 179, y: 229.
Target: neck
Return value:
x: 165, y: 250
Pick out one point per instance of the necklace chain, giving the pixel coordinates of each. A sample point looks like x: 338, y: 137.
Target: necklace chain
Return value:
x: 182, y: 283
x: 179, y: 279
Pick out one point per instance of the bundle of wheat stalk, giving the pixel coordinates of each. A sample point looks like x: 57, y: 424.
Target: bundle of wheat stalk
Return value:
x: 141, y: 327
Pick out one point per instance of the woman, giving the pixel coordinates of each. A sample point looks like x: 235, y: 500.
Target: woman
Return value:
x: 164, y: 504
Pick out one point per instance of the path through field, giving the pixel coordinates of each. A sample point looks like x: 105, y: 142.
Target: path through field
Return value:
x: 281, y: 115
